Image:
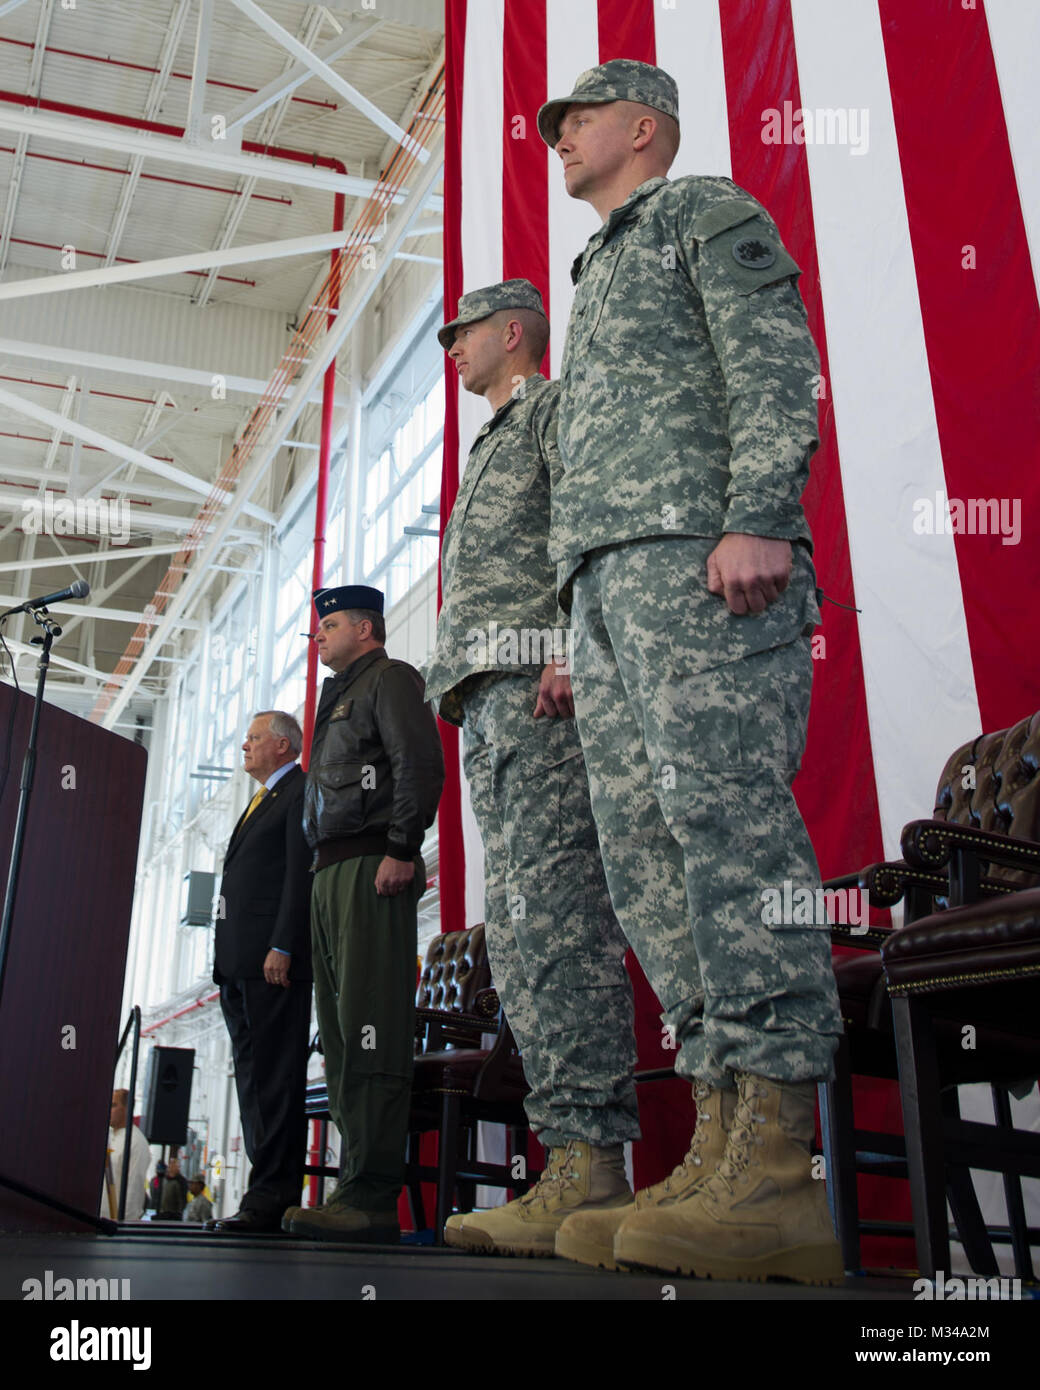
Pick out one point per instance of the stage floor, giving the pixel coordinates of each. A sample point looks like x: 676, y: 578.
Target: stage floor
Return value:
x: 168, y: 1263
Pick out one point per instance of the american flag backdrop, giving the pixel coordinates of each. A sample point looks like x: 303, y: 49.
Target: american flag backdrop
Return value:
x: 893, y: 141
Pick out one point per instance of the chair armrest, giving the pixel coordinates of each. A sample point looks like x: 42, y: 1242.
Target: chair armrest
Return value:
x: 887, y: 882
x: 453, y: 1020
x: 928, y: 844
x: 885, y: 885
x: 859, y: 938
x: 892, y: 881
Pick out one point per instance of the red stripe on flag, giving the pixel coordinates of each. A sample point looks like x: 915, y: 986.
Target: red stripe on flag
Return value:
x: 981, y: 325
x: 836, y: 791
x: 451, y: 871
x: 626, y: 30
x: 525, y: 188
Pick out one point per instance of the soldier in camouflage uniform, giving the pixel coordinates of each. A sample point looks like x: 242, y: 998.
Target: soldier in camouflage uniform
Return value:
x: 687, y: 421
x: 556, y: 950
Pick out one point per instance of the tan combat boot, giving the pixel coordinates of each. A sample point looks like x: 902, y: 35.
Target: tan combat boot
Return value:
x: 588, y: 1237
x: 577, y: 1176
x: 761, y: 1213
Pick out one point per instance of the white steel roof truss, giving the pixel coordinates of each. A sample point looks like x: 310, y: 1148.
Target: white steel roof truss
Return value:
x: 171, y: 265
x: 134, y: 366
x: 326, y: 353
x: 237, y: 210
x: 101, y: 135
x: 137, y: 521
x: 331, y: 78
x: 293, y: 77
x: 100, y: 595
x: 60, y: 478
x: 23, y: 649
x: 90, y: 610
x: 170, y: 44
x: 199, y: 70
x: 199, y: 486
x: 67, y: 399
x: 43, y: 25
x: 98, y: 557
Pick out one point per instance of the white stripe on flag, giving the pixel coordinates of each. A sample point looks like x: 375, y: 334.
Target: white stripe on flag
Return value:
x: 912, y: 627
x: 482, y: 102
x: 572, y: 42
x: 1014, y: 33
x: 481, y: 219
x: 689, y: 47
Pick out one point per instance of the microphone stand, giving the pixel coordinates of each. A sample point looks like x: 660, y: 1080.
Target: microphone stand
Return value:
x: 51, y: 630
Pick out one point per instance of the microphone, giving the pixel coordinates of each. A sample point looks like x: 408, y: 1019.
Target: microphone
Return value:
x: 79, y: 589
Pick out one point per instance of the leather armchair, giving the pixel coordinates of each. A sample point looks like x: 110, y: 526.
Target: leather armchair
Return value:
x: 966, y: 956
x: 461, y: 1078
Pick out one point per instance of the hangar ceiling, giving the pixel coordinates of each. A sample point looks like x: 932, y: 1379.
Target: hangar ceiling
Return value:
x: 172, y: 175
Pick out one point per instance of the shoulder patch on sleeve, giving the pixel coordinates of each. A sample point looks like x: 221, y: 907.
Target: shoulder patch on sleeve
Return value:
x: 729, y: 213
x: 751, y: 254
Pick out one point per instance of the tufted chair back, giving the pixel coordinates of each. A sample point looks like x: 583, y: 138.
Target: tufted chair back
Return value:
x: 993, y: 783
x: 455, y: 970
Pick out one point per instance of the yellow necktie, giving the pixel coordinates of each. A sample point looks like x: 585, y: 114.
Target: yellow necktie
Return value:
x: 254, y: 804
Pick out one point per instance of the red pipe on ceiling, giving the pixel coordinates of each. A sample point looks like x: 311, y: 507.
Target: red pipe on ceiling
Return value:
x: 90, y: 113
x: 161, y: 128
x: 141, y: 67
x: 67, y: 444
x: 152, y: 178
x: 92, y: 391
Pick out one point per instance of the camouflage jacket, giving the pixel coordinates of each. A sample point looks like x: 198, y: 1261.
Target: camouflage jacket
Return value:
x: 498, y: 588
x: 687, y: 386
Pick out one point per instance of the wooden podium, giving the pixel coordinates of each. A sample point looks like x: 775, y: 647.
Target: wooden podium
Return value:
x: 59, y: 1014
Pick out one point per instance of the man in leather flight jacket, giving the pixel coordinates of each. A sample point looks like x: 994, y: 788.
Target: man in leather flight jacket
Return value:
x: 373, y: 784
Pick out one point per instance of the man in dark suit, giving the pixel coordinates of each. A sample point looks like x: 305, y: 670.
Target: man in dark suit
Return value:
x: 263, y: 966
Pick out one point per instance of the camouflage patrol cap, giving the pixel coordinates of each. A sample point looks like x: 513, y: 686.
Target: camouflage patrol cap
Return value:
x: 622, y: 79
x: 479, y: 304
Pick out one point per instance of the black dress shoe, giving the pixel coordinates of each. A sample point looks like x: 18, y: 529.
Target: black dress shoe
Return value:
x: 248, y: 1223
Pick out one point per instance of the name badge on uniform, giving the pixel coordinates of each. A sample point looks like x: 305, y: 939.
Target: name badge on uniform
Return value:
x: 342, y: 710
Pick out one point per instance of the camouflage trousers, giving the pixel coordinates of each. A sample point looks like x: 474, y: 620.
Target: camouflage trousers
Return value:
x: 556, y: 950
x: 693, y: 725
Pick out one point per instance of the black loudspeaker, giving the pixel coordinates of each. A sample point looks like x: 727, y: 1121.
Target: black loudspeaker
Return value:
x: 167, y: 1095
